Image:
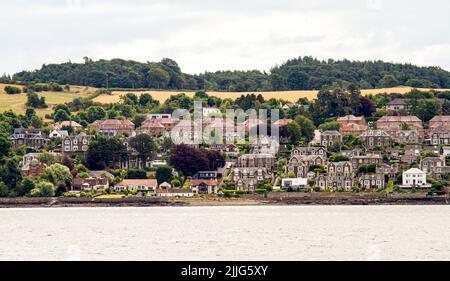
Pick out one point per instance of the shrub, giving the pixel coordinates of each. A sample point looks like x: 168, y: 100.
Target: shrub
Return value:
x: 12, y: 90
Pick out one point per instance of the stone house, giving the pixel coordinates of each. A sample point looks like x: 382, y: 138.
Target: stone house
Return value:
x: 267, y: 161
x: 339, y: 176
x: 327, y: 138
x: 358, y: 161
x: 28, y: 137
x: 372, y: 181
x: 76, y: 144
x: 428, y: 164
x: 372, y: 138
x: 438, y: 137
x: 248, y: 178
x: 304, y: 151
x: 408, y: 136
x: 299, y: 165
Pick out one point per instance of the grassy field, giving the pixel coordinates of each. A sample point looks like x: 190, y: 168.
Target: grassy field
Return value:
x: 17, y: 102
x: 291, y: 96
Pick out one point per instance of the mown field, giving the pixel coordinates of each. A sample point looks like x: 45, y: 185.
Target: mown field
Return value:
x: 17, y: 102
x: 291, y: 96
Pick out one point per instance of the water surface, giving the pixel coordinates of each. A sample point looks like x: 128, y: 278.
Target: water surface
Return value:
x: 227, y: 233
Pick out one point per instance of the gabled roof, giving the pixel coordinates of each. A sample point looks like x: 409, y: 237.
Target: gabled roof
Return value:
x: 207, y: 182
x: 399, y: 119
x: 441, y: 118
x: 142, y: 182
x: 398, y: 101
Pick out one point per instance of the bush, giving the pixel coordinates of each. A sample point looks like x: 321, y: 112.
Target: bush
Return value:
x: 136, y: 174
x: 12, y: 90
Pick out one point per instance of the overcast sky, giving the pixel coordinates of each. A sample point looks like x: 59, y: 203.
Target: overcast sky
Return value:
x: 217, y: 35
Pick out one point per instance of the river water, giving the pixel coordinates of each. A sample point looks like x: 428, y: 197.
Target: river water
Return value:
x: 227, y: 233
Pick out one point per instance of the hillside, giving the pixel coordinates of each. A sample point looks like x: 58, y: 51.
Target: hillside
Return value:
x: 304, y: 73
x: 17, y: 102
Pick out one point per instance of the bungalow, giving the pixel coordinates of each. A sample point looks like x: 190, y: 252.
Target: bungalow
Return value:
x: 137, y: 184
x: 295, y: 183
x: 174, y: 193
x: 90, y: 184
x: 204, y: 186
x: 152, y: 128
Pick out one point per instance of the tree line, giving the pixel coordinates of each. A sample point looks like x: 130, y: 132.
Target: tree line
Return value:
x: 303, y: 73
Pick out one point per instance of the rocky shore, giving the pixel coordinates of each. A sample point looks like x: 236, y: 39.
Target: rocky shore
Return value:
x: 272, y: 199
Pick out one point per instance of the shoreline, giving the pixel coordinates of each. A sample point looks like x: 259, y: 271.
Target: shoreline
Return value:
x: 301, y: 199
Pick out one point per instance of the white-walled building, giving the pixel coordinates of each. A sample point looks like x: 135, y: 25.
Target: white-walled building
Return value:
x: 415, y: 178
x: 295, y: 183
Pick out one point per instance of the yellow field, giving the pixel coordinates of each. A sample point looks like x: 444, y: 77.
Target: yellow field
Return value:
x: 291, y: 96
x: 17, y: 102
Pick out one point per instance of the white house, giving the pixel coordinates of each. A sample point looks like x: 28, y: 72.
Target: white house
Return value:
x: 446, y: 151
x: 174, y: 193
x: 415, y: 178
x: 295, y: 183
x: 58, y: 134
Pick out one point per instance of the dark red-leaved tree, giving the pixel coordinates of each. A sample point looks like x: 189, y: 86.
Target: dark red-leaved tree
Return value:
x: 188, y: 160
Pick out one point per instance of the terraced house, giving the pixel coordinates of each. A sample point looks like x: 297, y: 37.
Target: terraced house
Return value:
x: 299, y: 165
x: 339, y: 176
x: 373, y: 138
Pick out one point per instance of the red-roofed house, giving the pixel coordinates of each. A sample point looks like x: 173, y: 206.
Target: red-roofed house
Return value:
x: 113, y: 127
x: 205, y: 186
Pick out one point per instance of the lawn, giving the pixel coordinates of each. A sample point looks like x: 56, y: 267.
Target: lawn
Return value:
x: 17, y: 102
x: 291, y: 96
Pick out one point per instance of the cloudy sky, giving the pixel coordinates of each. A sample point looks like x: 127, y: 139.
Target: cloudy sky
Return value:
x: 229, y: 34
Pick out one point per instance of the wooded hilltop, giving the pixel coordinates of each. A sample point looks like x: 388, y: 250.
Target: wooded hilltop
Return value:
x: 303, y: 73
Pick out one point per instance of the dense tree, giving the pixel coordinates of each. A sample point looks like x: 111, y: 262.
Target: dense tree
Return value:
x: 216, y: 160
x: 104, y: 152
x: 188, y: 160
x: 34, y: 101
x: 303, y: 73
x: 307, y: 128
x: 12, y: 90
x: 145, y: 147
x: 164, y: 174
